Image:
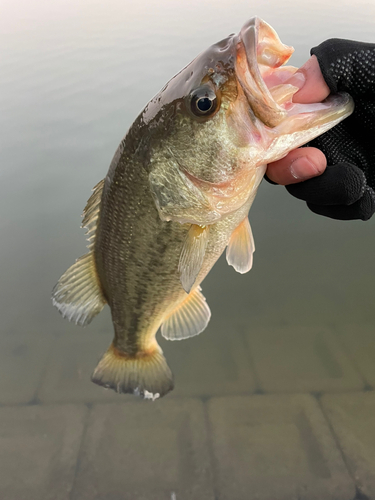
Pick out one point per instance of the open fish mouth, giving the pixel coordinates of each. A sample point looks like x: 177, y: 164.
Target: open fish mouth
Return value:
x: 263, y: 78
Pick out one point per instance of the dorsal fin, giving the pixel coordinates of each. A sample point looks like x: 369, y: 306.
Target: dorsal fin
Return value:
x: 78, y: 294
x: 91, y: 213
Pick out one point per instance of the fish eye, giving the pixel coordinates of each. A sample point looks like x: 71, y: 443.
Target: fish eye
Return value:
x: 203, y: 102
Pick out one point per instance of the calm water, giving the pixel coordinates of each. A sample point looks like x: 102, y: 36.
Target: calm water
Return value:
x: 74, y: 75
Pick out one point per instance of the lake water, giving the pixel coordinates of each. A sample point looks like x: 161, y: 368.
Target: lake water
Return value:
x: 74, y: 75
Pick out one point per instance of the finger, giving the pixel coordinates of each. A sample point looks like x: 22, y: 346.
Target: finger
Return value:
x: 299, y: 165
x: 341, y: 184
x: 362, y: 209
x: 314, y: 88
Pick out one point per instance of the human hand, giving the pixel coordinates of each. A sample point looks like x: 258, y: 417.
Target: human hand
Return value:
x: 345, y: 188
x: 302, y: 163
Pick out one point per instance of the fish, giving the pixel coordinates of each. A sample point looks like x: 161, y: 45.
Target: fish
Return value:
x: 177, y: 195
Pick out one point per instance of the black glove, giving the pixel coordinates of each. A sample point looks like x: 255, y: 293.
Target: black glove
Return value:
x: 346, y: 189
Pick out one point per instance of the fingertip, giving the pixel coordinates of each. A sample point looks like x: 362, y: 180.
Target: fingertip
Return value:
x: 314, y: 88
x: 299, y: 165
x: 303, y: 168
x: 307, y: 166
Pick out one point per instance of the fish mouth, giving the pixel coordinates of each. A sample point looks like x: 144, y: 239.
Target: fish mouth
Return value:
x: 259, y: 48
x: 263, y: 80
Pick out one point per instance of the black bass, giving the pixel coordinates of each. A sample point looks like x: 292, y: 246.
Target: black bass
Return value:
x: 178, y: 192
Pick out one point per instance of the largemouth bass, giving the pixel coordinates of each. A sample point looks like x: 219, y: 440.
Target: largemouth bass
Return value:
x: 178, y: 193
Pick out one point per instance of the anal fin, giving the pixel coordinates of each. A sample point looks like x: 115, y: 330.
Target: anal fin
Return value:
x: 192, y: 255
x: 189, y: 318
x: 241, y: 247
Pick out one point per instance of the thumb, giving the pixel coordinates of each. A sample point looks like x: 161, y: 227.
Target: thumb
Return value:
x: 310, y: 80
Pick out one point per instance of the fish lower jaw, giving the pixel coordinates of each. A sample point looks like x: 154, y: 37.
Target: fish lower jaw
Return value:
x: 304, y: 122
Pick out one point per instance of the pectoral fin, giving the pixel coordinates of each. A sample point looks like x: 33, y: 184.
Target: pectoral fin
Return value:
x: 189, y: 319
x: 192, y: 255
x: 241, y: 248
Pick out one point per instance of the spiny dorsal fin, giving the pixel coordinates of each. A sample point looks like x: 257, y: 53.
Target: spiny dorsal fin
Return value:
x: 192, y: 255
x: 188, y: 319
x: 91, y: 213
x: 241, y: 247
x: 78, y: 294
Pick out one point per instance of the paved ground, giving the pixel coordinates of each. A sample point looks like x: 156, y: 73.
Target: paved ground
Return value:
x: 278, y: 414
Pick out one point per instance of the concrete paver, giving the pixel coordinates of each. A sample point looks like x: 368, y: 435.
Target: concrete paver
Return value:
x: 73, y: 360
x: 275, y: 447
x: 23, y: 359
x: 360, y: 346
x: 145, y: 451
x: 353, y: 422
x: 301, y: 359
x: 38, y: 451
x: 216, y: 362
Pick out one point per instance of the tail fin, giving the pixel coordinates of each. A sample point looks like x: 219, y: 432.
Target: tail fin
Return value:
x: 146, y: 375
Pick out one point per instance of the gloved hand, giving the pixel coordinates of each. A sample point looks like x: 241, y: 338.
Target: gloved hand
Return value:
x: 345, y: 190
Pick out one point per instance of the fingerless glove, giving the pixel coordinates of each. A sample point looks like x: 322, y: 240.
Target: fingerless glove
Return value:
x: 346, y: 189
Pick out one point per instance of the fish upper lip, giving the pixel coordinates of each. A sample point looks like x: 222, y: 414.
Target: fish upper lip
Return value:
x: 257, y: 40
